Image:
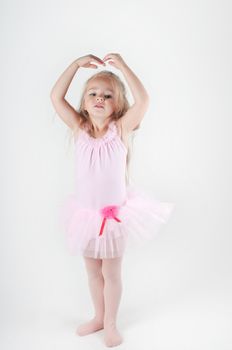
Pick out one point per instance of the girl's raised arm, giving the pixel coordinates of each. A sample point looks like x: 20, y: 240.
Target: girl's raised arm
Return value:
x: 132, y: 118
x: 67, y: 113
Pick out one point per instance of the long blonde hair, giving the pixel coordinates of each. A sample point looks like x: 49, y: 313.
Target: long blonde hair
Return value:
x: 121, y: 103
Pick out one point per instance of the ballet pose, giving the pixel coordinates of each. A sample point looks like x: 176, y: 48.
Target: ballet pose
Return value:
x: 105, y: 213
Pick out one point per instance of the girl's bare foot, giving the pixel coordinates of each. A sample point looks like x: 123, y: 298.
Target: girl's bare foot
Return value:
x: 93, y: 325
x: 112, y: 336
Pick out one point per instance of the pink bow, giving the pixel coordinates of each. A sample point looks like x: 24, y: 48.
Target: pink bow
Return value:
x: 109, y: 212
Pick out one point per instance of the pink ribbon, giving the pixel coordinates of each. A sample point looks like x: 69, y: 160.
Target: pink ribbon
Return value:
x: 109, y: 212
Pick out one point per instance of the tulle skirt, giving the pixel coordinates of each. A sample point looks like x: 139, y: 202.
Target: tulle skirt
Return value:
x: 107, y: 232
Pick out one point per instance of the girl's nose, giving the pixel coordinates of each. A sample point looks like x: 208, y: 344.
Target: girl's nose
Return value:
x: 100, y: 99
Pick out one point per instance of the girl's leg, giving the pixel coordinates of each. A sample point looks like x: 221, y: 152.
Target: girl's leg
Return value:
x: 111, y: 270
x: 96, y: 286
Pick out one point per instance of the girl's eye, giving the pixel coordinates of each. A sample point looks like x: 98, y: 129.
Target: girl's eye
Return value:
x: 94, y: 93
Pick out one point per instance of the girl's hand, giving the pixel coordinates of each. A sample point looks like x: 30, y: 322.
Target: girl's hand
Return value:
x: 84, y: 61
x: 116, y: 58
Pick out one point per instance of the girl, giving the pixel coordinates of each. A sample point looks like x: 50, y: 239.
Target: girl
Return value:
x: 105, y: 213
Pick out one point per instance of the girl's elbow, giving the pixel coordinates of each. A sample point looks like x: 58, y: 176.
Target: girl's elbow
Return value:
x: 146, y: 100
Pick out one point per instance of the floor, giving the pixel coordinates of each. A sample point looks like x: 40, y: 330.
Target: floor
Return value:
x: 198, y: 322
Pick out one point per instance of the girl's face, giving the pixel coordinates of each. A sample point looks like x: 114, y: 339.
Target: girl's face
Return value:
x: 99, y: 99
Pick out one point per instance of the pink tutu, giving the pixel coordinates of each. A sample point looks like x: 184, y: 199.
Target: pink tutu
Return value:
x: 105, y: 233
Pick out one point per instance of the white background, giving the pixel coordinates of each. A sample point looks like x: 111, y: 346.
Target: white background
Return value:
x: 177, y: 290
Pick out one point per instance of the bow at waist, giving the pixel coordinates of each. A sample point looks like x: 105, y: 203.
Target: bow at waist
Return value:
x: 109, y: 212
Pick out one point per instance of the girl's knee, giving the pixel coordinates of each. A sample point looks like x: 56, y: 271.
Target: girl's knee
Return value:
x: 111, y: 269
x: 94, y: 267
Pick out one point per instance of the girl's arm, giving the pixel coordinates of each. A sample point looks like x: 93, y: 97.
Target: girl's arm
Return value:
x: 57, y: 95
x: 135, y: 113
x: 67, y: 113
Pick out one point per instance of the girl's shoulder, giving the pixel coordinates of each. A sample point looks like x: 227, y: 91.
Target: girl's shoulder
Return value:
x: 78, y: 130
x: 122, y: 133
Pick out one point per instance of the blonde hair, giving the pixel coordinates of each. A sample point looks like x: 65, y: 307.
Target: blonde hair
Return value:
x: 121, y: 103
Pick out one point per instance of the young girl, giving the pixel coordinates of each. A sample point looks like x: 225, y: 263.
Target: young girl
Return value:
x: 105, y: 213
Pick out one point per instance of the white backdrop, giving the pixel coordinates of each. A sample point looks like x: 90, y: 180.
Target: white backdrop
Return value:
x: 177, y: 290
